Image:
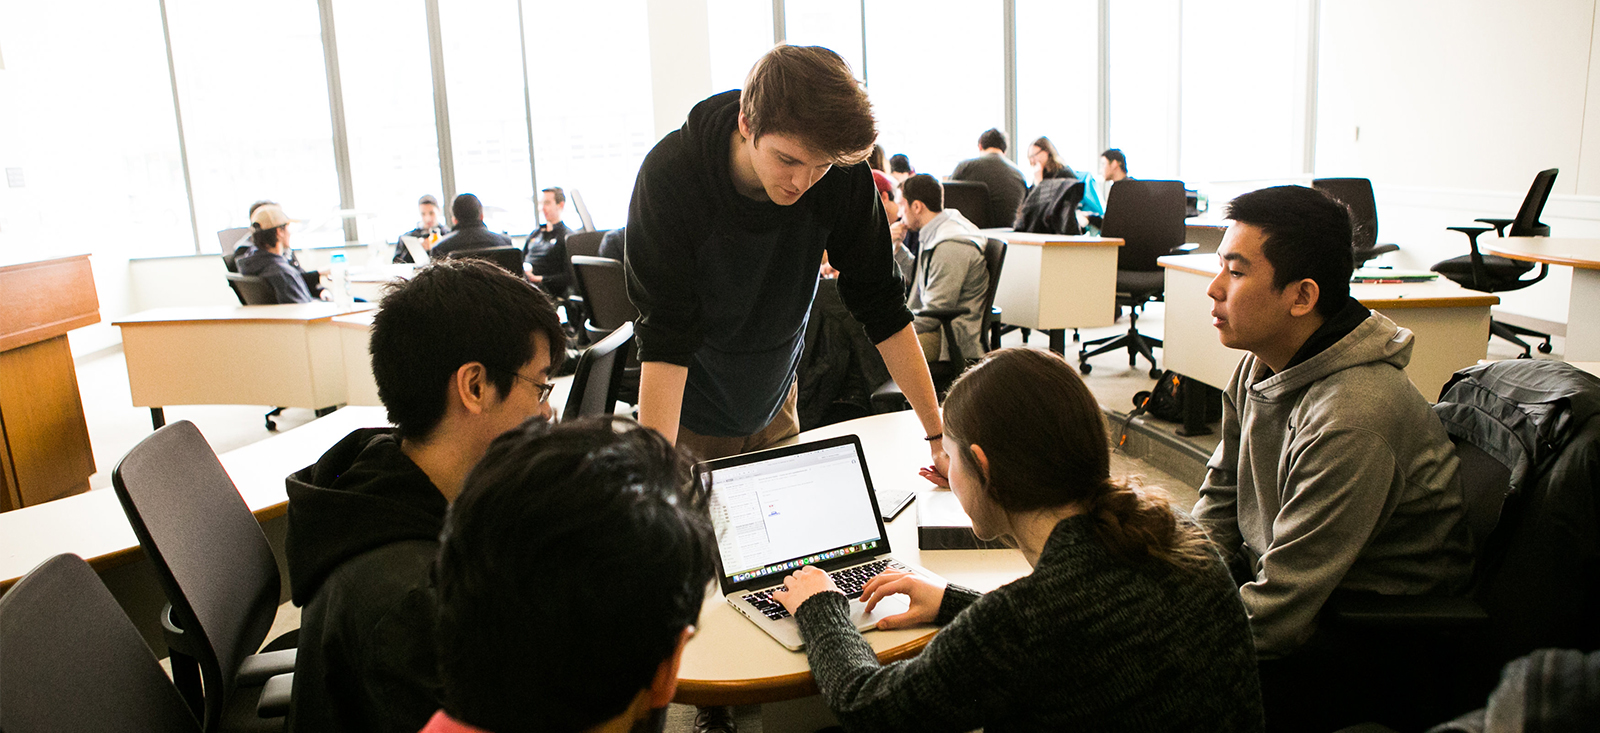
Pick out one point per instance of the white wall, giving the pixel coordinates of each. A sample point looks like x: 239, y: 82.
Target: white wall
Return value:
x: 680, y: 60
x: 1458, y: 105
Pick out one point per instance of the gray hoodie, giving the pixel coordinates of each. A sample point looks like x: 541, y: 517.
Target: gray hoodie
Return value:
x: 1333, y: 474
x: 951, y: 273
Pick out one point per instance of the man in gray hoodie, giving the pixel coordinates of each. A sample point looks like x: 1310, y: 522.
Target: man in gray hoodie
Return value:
x: 950, y: 270
x: 1333, y: 472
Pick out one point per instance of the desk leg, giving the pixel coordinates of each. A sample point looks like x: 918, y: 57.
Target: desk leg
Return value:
x: 326, y: 411
x: 1058, y: 340
x: 158, y: 418
x: 1192, y: 395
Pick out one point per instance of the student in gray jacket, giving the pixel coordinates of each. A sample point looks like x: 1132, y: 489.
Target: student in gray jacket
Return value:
x: 1333, y: 473
x: 950, y: 272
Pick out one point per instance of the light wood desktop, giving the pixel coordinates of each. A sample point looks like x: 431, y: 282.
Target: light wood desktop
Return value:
x: 1583, y: 302
x: 44, y: 439
x: 1053, y: 282
x: 731, y: 662
x: 1451, y: 324
x: 275, y: 355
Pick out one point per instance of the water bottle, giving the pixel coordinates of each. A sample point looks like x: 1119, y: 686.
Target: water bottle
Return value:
x: 341, y: 280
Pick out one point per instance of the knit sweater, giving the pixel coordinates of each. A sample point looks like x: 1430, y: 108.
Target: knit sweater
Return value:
x: 1088, y: 641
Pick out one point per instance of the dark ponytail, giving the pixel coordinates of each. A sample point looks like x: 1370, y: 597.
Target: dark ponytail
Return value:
x: 1046, y: 443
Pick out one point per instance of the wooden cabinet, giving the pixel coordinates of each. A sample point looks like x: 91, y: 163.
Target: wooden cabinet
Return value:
x: 44, y: 440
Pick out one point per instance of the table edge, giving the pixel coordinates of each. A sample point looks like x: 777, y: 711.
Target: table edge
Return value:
x: 1544, y: 259
x: 780, y: 687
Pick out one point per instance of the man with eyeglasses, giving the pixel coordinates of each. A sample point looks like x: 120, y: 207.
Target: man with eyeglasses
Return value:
x: 461, y: 353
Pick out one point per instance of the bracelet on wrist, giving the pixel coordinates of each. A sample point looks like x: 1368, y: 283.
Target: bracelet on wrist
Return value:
x: 935, y: 436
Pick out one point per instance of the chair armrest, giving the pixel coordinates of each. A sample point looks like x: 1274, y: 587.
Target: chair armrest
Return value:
x: 1498, y: 224
x: 1480, y: 276
x: 258, y: 668
x: 275, y: 696
x: 943, y: 314
x: 1372, y: 610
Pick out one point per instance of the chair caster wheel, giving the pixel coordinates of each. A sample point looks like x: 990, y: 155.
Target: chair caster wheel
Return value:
x: 1154, y: 373
x: 272, y: 427
x: 1544, y: 348
x: 1084, y: 368
x: 1524, y: 355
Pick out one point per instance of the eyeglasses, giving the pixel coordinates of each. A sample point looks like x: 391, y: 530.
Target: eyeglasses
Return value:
x: 545, y: 388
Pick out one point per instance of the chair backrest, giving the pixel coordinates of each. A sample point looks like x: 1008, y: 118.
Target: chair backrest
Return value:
x: 1355, y: 193
x: 210, y: 556
x: 586, y: 244
x: 1148, y: 217
x: 1527, y: 222
x: 994, y: 259
x: 73, y: 661
x: 605, y: 292
x: 231, y: 255
x: 252, y: 289
x: 598, y: 380
x: 971, y: 198
x: 583, y: 209
x: 230, y: 240
x: 507, y: 258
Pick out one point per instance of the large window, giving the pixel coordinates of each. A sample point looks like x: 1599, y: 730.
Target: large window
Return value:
x: 931, y: 105
x: 833, y: 24
x: 488, y: 113
x: 88, y: 143
x: 741, y: 31
x: 1243, y: 72
x: 387, y: 77
x: 1057, y: 73
x: 1144, y: 85
x: 253, y: 84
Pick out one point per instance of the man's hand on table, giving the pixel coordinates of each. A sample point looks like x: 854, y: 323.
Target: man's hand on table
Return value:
x: 938, y: 473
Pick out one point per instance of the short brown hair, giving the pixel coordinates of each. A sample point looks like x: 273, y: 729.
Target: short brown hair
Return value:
x: 925, y: 188
x: 810, y: 93
x: 561, y: 195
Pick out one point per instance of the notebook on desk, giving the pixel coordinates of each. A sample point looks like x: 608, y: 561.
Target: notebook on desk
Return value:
x: 778, y: 510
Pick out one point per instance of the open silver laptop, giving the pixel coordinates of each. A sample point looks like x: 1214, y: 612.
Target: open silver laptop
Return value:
x: 778, y: 510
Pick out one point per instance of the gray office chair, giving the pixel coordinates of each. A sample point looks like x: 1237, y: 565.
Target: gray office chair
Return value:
x: 584, y: 244
x: 971, y: 198
x: 252, y: 289
x: 604, y: 288
x: 597, y: 383
x: 506, y: 258
x: 214, y: 566
x: 74, y: 662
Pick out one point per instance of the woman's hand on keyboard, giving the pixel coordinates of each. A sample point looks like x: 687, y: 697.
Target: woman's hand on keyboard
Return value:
x: 926, y: 597
x: 802, y: 584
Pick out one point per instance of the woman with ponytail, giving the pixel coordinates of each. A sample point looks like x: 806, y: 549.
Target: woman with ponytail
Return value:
x: 1129, y: 620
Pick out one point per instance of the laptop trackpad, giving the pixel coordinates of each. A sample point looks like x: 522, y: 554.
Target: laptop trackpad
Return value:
x: 887, y: 607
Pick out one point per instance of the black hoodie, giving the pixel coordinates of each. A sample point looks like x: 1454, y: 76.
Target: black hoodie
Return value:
x: 724, y: 283
x: 364, y: 525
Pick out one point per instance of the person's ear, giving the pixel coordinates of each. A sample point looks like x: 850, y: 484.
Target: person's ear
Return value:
x: 472, y: 387
x: 1303, y: 297
x: 665, y: 683
x: 981, y: 461
x: 744, y: 126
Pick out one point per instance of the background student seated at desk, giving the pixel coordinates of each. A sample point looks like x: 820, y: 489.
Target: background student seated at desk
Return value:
x: 269, y: 258
x: 429, y: 229
x: 524, y: 641
x: 1129, y: 620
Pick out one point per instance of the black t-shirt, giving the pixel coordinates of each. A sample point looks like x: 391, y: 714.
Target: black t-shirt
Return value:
x: 724, y: 283
x: 546, y: 253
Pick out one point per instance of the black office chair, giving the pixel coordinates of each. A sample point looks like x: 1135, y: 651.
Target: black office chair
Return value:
x: 506, y: 258
x: 889, y: 398
x: 971, y: 198
x: 1148, y: 217
x: 252, y: 289
x: 73, y: 662
x: 232, y: 252
x: 605, y: 292
x: 1356, y: 193
x: 214, y: 566
x: 1496, y: 274
x: 597, y: 383
x: 584, y: 244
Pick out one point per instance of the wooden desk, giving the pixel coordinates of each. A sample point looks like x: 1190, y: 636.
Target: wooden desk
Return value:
x: 1451, y: 324
x: 93, y: 526
x: 1583, y: 301
x: 44, y: 439
x: 369, y: 282
x: 731, y: 662
x: 355, y: 336
x: 275, y: 355
x: 1052, y: 282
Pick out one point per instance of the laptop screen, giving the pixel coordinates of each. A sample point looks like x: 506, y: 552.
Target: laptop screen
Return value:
x: 790, y: 509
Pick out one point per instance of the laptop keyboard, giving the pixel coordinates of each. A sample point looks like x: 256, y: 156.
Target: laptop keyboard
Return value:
x: 850, y: 580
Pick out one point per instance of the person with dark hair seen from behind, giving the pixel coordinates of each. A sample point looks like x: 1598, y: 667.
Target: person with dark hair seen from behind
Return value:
x: 544, y: 258
x: 950, y: 272
x: 461, y: 353
x: 1046, y: 162
x: 1128, y: 620
x: 429, y: 228
x: 1097, y: 191
x: 730, y: 218
x: 269, y: 258
x: 1007, y: 185
x: 466, y: 218
x: 900, y: 168
x: 1333, y: 474
x: 523, y: 641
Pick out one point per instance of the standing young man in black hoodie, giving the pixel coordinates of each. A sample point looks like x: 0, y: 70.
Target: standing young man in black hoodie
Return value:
x: 461, y: 354
x: 730, y: 217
